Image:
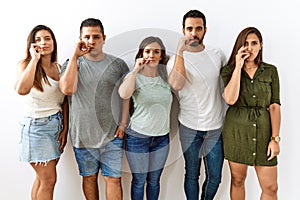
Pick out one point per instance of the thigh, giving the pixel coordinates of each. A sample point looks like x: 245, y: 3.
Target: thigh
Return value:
x: 87, y: 160
x: 267, y: 175
x: 188, y: 137
x: 213, y: 151
x: 111, y: 158
x: 238, y: 171
x: 137, y: 152
x: 159, y: 150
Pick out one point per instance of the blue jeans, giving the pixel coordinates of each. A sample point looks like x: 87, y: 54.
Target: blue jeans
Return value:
x: 146, y: 157
x: 195, y: 146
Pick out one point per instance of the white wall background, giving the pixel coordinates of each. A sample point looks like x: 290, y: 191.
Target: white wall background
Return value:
x: 277, y: 20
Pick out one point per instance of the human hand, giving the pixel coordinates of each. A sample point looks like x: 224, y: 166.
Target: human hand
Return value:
x: 62, y: 140
x: 35, y: 51
x: 241, y: 56
x: 119, y: 132
x: 81, y: 48
x: 183, y: 44
x: 273, y: 149
x: 140, y: 63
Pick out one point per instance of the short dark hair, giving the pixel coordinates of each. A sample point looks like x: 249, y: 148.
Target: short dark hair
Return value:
x: 194, y: 14
x: 92, y: 22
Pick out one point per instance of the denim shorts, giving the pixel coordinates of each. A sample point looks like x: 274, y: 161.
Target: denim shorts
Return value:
x: 107, y: 158
x: 38, y: 138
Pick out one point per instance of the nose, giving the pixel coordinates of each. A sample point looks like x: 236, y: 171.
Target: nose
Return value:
x: 151, y: 54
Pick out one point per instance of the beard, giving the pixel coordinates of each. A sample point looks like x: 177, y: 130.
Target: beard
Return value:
x: 196, y: 42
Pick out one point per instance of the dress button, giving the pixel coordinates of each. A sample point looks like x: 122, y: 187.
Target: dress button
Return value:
x: 254, y: 139
x: 254, y: 154
x: 251, y: 81
x: 254, y: 96
x: 254, y: 124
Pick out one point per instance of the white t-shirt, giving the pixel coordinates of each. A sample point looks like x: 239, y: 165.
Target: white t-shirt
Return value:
x: 200, y: 100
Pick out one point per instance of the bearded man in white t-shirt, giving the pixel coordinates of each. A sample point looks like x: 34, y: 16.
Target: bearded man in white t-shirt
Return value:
x: 195, y: 73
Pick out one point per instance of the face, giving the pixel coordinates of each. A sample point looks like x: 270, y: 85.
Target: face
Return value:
x: 152, y: 53
x: 93, y: 38
x: 253, y: 46
x: 195, y: 30
x: 44, y: 41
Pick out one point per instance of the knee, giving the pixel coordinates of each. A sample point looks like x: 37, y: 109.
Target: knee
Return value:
x: 270, y: 188
x: 238, y: 181
x: 48, y: 181
x: 90, y: 179
x: 112, y: 181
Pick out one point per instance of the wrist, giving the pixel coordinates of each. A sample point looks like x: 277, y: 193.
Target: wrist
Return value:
x: 275, y: 138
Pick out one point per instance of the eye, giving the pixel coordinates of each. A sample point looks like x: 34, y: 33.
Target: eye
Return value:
x: 147, y: 51
x: 199, y: 28
x: 189, y: 29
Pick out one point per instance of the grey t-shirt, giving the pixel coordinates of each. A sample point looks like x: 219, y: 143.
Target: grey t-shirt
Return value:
x: 94, y: 109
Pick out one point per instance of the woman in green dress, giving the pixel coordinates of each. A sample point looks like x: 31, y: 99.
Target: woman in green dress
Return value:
x: 252, y: 123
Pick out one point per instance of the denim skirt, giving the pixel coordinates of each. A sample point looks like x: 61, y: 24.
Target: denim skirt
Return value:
x: 38, y: 138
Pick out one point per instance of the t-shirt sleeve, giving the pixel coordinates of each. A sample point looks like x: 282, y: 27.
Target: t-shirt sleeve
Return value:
x: 64, y: 67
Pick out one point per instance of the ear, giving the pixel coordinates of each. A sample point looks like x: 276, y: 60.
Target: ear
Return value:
x: 183, y: 31
x: 104, y: 37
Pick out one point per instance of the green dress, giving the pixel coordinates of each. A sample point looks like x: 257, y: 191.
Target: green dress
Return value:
x: 247, y: 127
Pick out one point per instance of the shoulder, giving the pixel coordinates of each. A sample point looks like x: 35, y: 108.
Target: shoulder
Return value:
x: 268, y: 66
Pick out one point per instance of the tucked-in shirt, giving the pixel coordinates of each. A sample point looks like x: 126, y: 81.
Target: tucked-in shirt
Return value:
x: 247, y: 126
x: 152, y: 101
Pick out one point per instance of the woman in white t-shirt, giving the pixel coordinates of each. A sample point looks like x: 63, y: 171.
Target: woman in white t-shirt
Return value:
x: 147, y: 138
x: 43, y: 131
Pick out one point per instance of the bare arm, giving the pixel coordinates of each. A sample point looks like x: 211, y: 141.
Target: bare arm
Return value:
x: 177, y: 76
x: 26, y: 73
x: 275, y: 117
x: 232, y: 89
x: 64, y: 133
x: 68, y: 81
x: 124, y: 119
x: 127, y: 88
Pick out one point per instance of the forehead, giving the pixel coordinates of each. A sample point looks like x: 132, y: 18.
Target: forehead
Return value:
x: 42, y: 33
x: 251, y: 37
x: 193, y: 22
x: 91, y: 30
x: 153, y: 45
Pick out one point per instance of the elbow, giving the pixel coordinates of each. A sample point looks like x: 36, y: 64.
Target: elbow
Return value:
x: 124, y: 96
x: 229, y: 101
x: 67, y: 92
x: 175, y: 86
x: 22, y: 91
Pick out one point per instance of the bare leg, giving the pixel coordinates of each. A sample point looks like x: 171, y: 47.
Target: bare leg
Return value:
x: 44, y: 183
x: 267, y: 177
x: 90, y: 187
x: 113, y: 188
x: 238, y: 177
x: 35, y: 188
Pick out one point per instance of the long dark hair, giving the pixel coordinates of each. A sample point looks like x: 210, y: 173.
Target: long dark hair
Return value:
x: 240, y: 41
x: 162, y: 69
x: 39, y: 73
